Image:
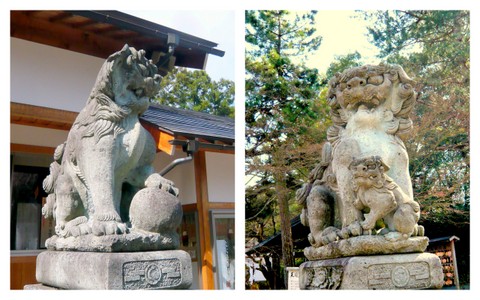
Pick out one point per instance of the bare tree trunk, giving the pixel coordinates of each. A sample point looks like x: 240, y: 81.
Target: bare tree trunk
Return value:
x: 282, y: 198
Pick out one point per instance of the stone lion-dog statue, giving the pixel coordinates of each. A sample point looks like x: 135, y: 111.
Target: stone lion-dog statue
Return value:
x: 383, y: 200
x: 108, y: 155
x: 370, y: 107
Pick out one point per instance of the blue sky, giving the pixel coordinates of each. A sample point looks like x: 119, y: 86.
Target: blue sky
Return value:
x: 213, y: 25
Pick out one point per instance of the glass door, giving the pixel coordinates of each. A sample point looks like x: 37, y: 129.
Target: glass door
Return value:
x: 224, y: 249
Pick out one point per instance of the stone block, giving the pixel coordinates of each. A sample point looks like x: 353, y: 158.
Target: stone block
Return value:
x: 366, y: 245
x: 38, y: 286
x: 377, y: 272
x: 127, y: 270
x: 129, y: 242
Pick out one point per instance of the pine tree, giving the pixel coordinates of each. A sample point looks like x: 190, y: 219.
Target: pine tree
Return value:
x: 195, y: 90
x: 281, y: 110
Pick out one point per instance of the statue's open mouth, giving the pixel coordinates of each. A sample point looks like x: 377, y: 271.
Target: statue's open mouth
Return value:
x: 364, y: 175
x: 364, y: 104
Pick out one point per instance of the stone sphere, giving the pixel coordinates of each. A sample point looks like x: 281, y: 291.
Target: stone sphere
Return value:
x: 155, y: 210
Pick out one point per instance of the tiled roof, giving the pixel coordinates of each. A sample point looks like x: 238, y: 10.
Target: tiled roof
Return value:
x: 190, y: 124
x: 101, y: 33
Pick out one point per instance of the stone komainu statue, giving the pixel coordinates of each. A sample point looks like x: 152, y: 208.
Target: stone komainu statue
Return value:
x: 108, y: 155
x: 362, y: 185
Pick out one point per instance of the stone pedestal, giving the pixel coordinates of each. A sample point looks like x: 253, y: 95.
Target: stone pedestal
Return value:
x: 39, y: 286
x: 366, y: 245
x: 125, y: 270
x: 396, y: 271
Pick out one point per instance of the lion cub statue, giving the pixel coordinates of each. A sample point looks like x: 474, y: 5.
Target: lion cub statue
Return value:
x: 383, y: 199
x: 108, y: 155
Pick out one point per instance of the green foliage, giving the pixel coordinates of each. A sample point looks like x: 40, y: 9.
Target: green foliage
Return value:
x: 287, y: 115
x: 281, y: 96
x: 195, y: 90
x: 288, y: 33
x: 282, y: 110
x: 434, y: 46
x: 342, y: 63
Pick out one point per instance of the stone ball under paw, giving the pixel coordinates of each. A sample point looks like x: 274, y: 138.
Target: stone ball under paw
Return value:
x: 155, y: 210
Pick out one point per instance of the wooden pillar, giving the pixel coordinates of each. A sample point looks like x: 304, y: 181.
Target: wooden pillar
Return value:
x: 201, y: 189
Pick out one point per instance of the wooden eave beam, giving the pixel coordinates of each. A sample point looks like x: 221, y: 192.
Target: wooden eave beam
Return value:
x: 31, y: 115
x: 31, y: 149
x: 60, y: 17
x: 39, y: 116
x: 161, y: 138
x: 24, y: 25
x: 62, y: 36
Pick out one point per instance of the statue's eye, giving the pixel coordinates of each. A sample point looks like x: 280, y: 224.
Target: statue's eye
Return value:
x: 376, y: 80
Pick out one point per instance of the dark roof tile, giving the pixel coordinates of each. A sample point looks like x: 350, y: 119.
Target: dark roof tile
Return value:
x: 190, y: 123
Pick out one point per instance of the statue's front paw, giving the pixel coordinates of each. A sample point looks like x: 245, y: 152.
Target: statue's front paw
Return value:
x: 418, y: 230
x: 355, y: 229
x: 108, y: 227
x: 75, y: 227
x: 368, y: 224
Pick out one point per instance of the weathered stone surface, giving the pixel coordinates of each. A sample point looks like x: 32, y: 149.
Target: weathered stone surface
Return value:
x: 366, y: 245
x: 132, y: 241
x: 107, y: 159
x: 132, y: 270
x: 362, y: 184
x: 38, y: 286
x: 398, y: 271
x: 112, y: 212
x: 155, y: 210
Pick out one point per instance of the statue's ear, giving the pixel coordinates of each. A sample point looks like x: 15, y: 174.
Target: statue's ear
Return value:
x: 402, y: 75
x: 384, y: 165
x: 122, y: 54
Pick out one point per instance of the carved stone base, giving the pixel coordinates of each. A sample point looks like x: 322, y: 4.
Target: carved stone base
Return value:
x: 130, y: 242
x: 378, y: 272
x: 366, y: 245
x: 115, y: 271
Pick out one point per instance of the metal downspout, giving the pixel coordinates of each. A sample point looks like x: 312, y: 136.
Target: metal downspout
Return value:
x: 175, y: 163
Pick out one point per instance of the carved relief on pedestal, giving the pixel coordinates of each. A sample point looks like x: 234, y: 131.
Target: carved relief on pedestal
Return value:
x: 396, y: 276
x: 152, y: 274
x: 325, y: 278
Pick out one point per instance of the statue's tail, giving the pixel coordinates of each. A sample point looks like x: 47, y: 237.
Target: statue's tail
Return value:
x: 49, y: 182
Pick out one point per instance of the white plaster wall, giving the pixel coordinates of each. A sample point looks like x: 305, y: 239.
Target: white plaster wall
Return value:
x: 37, y: 136
x: 49, y: 76
x: 182, y: 175
x: 220, y: 177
